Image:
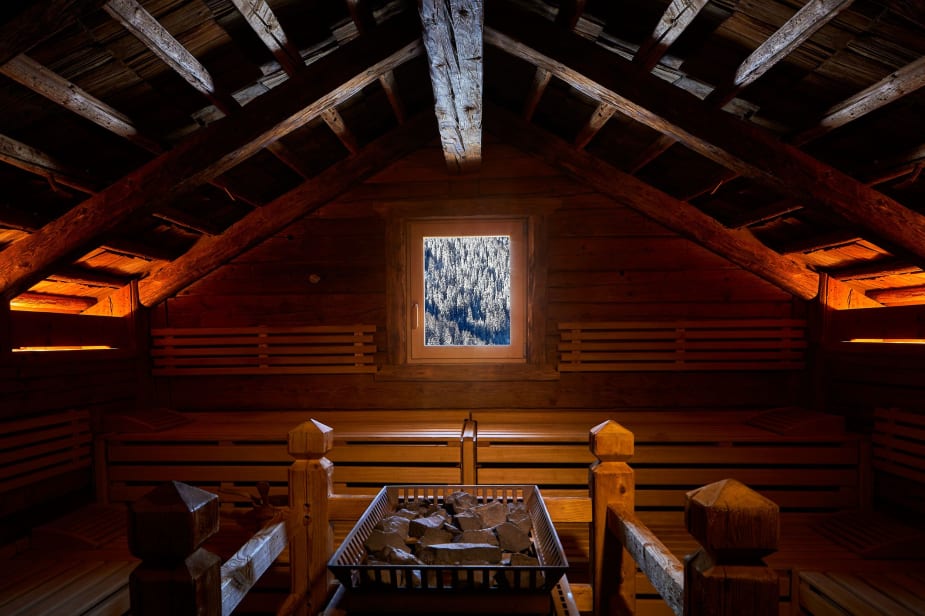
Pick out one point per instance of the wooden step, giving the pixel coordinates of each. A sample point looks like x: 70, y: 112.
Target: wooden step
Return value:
x: 88, y: 528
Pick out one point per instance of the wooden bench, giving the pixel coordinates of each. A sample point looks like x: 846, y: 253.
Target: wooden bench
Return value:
x: 43, y: 457
x: 323, y: 349
x: 710, y: 344
x: 886, y: 532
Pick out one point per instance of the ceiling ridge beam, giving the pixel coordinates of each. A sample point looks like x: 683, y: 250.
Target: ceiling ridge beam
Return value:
x: 209, y: 253
x: 452, y: 32
x: 740, y: 146
x: 210, y: 152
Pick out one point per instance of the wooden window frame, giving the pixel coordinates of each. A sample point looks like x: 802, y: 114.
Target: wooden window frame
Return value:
x: 516, y: 229
x: 535, y: 365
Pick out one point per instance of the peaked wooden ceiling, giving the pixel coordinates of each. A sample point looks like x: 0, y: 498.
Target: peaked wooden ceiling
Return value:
x: 154, y: 140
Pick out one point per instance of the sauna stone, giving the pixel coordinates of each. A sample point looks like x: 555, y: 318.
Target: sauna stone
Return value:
x: 491, y: 514
x: 461, y: 554
x: 512, y: 538
x: 378, y: 540
x: 479, y: 535
x: 419, y: 526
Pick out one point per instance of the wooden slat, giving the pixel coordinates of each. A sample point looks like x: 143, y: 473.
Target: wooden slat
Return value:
x: 684, y: 345
x: 263, y: 350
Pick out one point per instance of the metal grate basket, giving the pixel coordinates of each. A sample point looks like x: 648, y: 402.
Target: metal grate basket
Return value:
x: 349, y: 563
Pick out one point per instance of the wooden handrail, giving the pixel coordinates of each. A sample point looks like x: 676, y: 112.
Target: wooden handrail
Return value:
x: 735, y: 526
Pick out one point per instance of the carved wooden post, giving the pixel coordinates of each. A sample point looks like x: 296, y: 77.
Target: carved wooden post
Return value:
x: 176, y: 576
x: 309, y: 488
x: 611, y: 482
x: 736, y: 528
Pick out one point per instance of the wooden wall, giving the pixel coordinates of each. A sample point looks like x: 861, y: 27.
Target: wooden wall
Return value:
x: 605, y: 262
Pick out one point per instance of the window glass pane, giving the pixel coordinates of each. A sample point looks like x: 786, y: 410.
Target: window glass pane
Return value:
x: 467, y: 291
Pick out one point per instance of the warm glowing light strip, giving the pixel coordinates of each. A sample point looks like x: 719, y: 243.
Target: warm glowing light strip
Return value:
x: 62, y: 348
x: 890, y: 340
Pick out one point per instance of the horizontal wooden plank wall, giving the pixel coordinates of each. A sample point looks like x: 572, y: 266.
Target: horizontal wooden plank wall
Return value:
x: 319, y: 349
x: 708, y: 344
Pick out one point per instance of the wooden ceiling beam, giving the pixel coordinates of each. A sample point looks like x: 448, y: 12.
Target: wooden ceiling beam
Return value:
x: 211, y: 151
x: 336, y: 123
x: 570, y: 11
x: 566, y: 18
x: 595, y: 123
x: 899, y: 295
x: 362, y: 15
x: 804, y: 23
x: 47, y: 302
x: 740, y: 146
x: 891, y: 88
x: 35, y: 161
x: 260, y: 17
x: 209, y: 253
x: 739, y: 247
x: 674, y: 21
x: 453, y: 40
x: 155, y: 37
x: 29, y: 73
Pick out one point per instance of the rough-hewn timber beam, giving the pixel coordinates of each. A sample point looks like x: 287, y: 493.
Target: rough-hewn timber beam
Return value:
x: 263, y: 22
x: 741, y: 147
x: 899, y: 83
x: 676, y: 18
x: 209, y: 253
x: 804, y: 23
x: 595, y: 123
x: 49, y: 84
x: 815, y: 243
x: 889, y: 266
x: 763, y: 214
x: 155, y: 37
x: 38, y: 162
x: 453, y: 39
x: 211, y: 151
x: 739, y: 247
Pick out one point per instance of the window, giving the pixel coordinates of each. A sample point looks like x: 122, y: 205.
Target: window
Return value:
x: 467, y: 290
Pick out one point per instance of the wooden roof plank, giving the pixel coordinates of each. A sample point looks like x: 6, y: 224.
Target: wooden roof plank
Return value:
x: 35, y: 161
x: 453, y: 39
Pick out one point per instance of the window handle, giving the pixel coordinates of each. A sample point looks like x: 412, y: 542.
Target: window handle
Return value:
x: 417, y: 316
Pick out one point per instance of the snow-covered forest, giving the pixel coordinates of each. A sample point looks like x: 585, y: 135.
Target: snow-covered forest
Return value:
x: 467, y: 291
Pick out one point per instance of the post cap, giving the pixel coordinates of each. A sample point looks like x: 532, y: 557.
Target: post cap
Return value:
x: 731, y: 521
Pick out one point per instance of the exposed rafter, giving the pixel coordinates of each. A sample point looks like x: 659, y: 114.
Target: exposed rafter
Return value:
x: 35, y: 161
x: 453, y: 39
x: 739, y: 247
x: 898, y: 84
x: 209, y: 253
x: 676, y: 18
x: 155, y: 37
x: 37, y: 78
x: 210, y: 152
x: 263, y: 22
x: 365, y: 21
x: 804, y: 23
x: 741, y: 147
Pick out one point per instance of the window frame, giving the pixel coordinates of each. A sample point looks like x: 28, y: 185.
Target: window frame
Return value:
x: 516, y: 228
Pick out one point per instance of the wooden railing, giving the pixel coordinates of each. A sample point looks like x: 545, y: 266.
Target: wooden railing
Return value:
x: 735, y: 526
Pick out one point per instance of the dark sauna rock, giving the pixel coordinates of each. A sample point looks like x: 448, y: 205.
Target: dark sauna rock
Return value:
x: 460, y: 554
x: 419, y: 526
x: 491, y: 514
x: 435, y: 535
x: 396, y: 556
x: 378, y: 540
x: 394, y: 524
x: 480, y: 535
x: 512, y: 538
x: 467, y: 520
x: 406, y: 513
x: 460, y: 501
x: 518, y: 516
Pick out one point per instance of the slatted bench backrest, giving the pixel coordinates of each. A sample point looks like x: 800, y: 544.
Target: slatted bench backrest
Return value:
x: 39, y: 448
x: 736, y: 344
x: 899, y: 443
x: 327, y: 349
